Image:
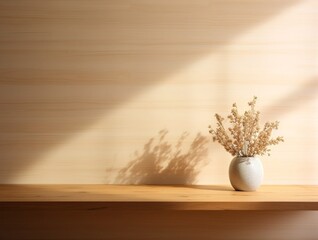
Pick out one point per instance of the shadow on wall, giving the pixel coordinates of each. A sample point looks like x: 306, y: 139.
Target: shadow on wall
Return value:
x: 161, y: 162
x: 67, y: 65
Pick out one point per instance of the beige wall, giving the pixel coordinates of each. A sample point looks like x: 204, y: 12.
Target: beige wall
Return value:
x: 88, y: 88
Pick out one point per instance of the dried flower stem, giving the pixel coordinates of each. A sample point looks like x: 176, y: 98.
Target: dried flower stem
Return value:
x: 247, y: 138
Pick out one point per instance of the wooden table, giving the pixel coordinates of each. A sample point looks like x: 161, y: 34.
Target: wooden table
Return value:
x: 136, y: 197
x: 156, y: 212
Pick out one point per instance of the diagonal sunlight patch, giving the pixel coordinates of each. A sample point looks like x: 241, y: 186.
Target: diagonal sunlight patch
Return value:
x: 269, y: 60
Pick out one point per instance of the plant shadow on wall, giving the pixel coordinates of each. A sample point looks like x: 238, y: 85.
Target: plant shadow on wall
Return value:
x: 161, y: 162
x: 58, y: 79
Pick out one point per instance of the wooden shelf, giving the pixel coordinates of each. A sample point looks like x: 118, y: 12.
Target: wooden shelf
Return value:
x: 149, y: 197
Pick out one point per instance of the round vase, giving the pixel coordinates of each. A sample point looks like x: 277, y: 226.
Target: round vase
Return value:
x: 246, y: 173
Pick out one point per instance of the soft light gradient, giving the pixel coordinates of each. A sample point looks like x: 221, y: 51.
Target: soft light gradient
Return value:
x: 87, y: 88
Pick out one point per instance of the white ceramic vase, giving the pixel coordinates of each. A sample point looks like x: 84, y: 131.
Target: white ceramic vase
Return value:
x: 246, y: 173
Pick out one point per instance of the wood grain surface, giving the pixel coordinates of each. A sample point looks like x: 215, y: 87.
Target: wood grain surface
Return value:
x: 157, y: 212
x: 140, y: 197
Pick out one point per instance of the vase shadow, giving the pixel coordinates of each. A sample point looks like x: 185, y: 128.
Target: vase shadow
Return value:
x: 226, y: 188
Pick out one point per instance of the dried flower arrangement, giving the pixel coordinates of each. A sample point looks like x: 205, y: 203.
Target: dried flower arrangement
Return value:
x: 248, y: 139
